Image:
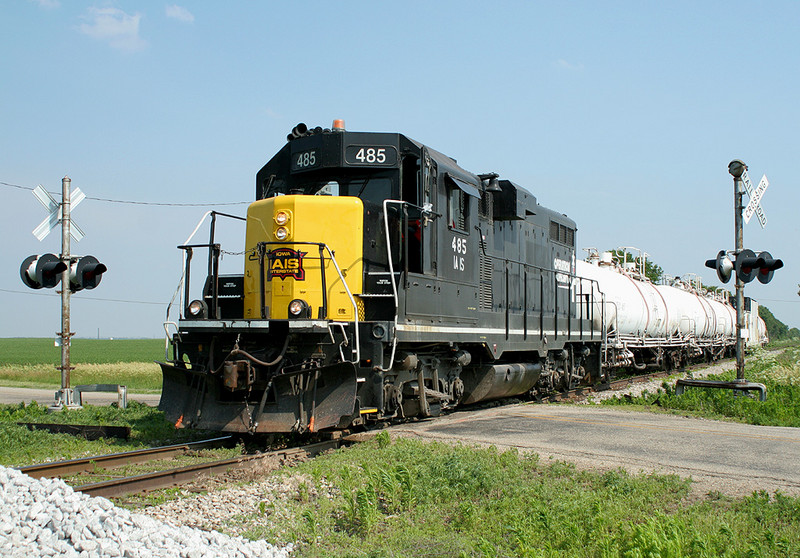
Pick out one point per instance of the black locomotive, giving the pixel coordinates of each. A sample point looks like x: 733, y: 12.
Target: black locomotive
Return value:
x: 381, y: 280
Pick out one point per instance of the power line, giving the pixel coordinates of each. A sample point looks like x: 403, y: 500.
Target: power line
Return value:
x: 91, y: 299
x: 108, y: 200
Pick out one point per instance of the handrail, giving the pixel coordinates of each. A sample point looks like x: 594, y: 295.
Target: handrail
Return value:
x: 322, y: 246
x: 391, y: 275
x: 213, y: 259
x: 167, y: 337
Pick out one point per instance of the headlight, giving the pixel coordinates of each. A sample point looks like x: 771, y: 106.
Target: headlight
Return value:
x: 281, y: 233
x: 281, y: 217
x: 298, y: 308
x: 197, y: 309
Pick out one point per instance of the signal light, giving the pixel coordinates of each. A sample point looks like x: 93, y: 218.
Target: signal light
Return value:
x: 723, y: 265
x: 42, y: 271
x: 768, y: 268
x: 85, y: 273
x: 747, y: 265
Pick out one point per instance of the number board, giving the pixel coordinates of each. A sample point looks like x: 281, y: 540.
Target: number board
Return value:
x: 306, y: 160
x: 377, y: 155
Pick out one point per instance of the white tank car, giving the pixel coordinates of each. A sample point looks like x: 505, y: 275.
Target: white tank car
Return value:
x: 646, y: 324
x: 756, y: 326
x: 763, y: 336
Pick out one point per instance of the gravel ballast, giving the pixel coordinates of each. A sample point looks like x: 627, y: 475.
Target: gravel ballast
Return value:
x: 46, y: 517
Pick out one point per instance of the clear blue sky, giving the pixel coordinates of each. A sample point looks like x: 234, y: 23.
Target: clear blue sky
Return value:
x: 623, y: 115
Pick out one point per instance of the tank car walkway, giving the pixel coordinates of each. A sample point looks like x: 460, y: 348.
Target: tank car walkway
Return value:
x: 728, y: 457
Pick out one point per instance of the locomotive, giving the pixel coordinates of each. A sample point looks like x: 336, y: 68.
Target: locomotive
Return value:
x: 383, y: 281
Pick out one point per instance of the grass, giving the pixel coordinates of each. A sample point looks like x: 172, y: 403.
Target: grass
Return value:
x: 414, y: 498
x: 778, y: 371
x: 32, y: 363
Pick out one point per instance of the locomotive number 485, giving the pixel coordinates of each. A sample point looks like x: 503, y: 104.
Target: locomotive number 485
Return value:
x: 459, y: 247
x: 371, y: 155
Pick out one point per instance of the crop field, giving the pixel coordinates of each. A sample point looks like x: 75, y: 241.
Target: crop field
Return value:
x: 86, y: 351
x: 32, y: 362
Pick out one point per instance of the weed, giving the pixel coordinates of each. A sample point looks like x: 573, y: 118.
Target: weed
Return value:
x: 779, y: 372
x: 429, y: 499
x: 383, y: 439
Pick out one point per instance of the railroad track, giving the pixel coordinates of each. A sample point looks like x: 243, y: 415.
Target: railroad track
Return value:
x: 118, y: 487
x: 580, y: 393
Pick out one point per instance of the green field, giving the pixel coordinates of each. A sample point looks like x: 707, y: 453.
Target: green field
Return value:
x: 84, y: 351
x: 26, y: 362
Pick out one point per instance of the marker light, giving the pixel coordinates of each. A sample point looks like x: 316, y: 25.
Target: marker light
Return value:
x: 196, y: 309
x: 338, y: 125
x: 281, y: 233
x: 281, y: 217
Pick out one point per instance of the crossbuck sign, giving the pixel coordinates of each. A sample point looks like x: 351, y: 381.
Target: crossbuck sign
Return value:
x: 54, y: 218
x: 755, y: 199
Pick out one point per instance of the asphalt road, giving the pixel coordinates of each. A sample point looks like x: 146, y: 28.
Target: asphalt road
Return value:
x: 11, y: 395
x: 728, y: 457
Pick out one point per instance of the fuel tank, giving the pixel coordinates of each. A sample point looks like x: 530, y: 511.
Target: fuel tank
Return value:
x: 484, y: 383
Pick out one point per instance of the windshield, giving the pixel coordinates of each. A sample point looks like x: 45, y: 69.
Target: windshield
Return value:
x: 373, y: 187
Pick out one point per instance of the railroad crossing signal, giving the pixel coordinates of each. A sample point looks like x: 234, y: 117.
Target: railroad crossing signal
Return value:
x: 723, y: 264
x: 747, y: 264
x: 75, y: 273
x: 54, y: 218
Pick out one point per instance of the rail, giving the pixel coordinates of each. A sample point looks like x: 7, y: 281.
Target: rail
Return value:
x: 181, y: 475
x: 110, y: 461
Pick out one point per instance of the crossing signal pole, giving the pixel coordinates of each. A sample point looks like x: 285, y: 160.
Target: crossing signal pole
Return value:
x: 74, y: 273
x: 737, y: 168
x: 746, y: 266
x: 64, y: 397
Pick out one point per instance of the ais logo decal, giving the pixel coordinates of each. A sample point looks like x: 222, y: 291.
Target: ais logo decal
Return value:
x: 285, y: 262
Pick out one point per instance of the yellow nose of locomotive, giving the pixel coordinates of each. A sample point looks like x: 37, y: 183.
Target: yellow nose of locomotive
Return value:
x: 290, y: 272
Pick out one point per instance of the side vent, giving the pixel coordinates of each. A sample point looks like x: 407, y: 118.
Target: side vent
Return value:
x: 485, y: 292
x: 562, y: 233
